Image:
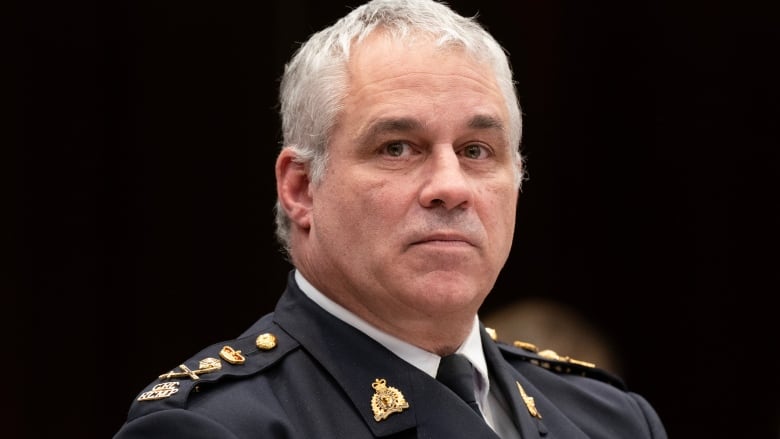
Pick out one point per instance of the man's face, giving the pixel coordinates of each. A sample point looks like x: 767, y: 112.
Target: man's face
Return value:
x: 416, y: 212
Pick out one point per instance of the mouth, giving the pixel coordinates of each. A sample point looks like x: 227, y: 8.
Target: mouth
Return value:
x: 444, y: 239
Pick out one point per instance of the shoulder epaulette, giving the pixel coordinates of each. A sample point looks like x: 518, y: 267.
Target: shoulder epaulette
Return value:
x: 219, y: 362
x: 551, y: 360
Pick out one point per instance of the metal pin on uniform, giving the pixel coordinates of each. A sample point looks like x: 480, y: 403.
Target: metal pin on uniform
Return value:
x: 386, y: 400
x: 529, y: 402
x: 207, y: 365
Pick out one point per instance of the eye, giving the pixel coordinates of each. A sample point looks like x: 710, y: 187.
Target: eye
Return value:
x: 397, y: 149
x: 475, y: 151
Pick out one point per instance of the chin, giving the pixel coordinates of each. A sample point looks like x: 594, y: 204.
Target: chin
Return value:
x: 449, y: 292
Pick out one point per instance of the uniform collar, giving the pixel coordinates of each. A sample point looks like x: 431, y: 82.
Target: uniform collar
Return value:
x: 419, y: 358
x: 426, y: 361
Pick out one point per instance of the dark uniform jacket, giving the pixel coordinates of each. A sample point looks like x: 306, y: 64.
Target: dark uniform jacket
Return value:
x: 306, y: 374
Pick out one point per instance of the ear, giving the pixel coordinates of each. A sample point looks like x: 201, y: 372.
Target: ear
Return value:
x: 292, y: 188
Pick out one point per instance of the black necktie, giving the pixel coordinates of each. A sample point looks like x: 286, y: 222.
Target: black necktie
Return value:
x: 455, y: 371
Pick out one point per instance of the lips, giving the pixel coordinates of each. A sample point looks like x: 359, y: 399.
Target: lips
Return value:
x: 444, y: 238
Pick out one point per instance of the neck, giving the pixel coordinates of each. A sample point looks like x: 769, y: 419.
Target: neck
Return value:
x: 441, y: 334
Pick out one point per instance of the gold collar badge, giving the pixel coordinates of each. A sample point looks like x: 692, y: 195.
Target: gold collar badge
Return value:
x: 529, y: 402
x: 386, y: 400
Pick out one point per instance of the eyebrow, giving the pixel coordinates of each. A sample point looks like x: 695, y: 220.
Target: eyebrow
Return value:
x: 486, y: 122
x: 406, y: 124
x: 391, y: 125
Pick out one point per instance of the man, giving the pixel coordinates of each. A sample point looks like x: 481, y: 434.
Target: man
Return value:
x: 397, y: 188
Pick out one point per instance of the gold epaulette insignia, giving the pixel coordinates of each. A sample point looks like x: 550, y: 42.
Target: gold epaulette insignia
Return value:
x: 525, y: 345
x: 231, y: 355
x: 266, y: 341
x: 207, y: 365
x: 552, y: 355
x: 160, y: 391
x: 386, y: 400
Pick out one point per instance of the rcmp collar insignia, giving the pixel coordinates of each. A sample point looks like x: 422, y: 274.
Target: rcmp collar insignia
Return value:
x: 529, y: 402
x: 386, y: 400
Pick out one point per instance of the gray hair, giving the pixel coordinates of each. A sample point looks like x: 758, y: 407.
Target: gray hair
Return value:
x: 315, y: 81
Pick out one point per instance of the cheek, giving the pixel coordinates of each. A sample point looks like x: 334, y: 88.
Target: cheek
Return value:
x: 356, y: 206
x: 499, y: 213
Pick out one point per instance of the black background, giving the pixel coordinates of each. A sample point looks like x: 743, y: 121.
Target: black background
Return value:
x: 141, y: 189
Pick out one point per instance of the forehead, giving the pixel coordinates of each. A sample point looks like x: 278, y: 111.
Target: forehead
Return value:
x: 391, y: 54
x: 389, y: 75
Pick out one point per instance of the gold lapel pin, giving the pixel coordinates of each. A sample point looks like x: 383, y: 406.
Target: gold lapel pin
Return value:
x: 386, y: 400
x: 529, y: 402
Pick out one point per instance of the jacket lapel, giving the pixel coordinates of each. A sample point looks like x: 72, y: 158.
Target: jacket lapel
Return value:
x: 353, y: 359
x: 504, y: 377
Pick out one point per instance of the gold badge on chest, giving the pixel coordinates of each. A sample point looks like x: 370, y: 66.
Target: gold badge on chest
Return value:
x: 386, y: 400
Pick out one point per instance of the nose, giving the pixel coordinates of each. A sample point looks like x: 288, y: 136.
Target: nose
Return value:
x: 445, y: 183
